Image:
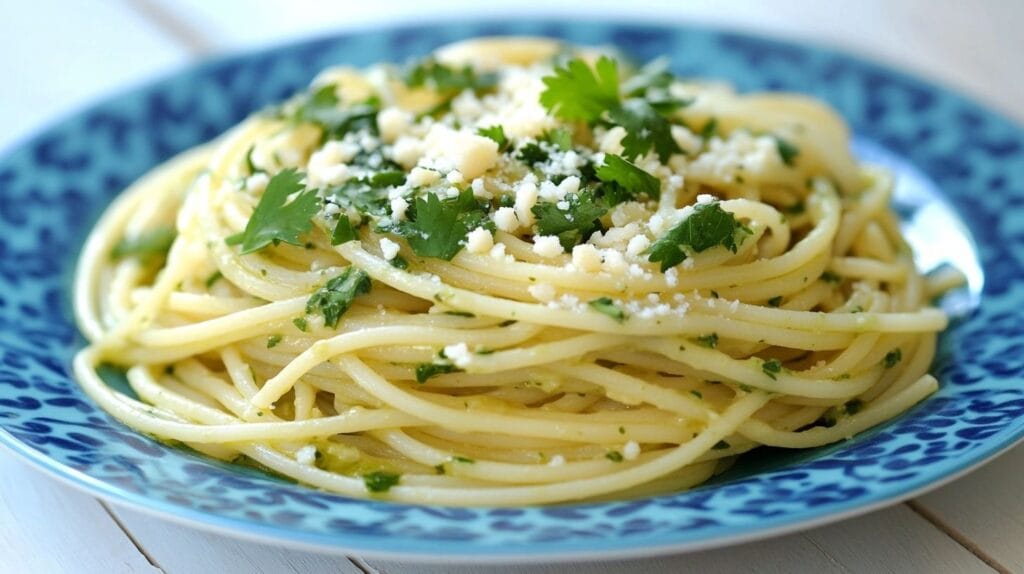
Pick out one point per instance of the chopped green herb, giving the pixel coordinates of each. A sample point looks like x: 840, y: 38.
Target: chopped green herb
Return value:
x: 697, y: 394
x: 531, y: 154
x: 380, y: 481
x: 574, y: 225
x: 576, y: 92
x: 625, y: 181
x: 854, y: 406
x: 775, y: 301
x: 439, y: 468
x: 462, y: 459
x: 399, y: 262
x: 213, y: 278
x: 796, y: 208
x: 273, y: 340
x: 614, y: 456
x: 324, y: 109
x: 714, y: 294
x: 425, y: 371
x: 892, y: 358
x: 708, y: 226
x: 438, y: 227
x: 496, y: 133
x: 300, y: 323
x: 787, y: 151
x: 709, y: 341
x: 150, y: 245
x: 334, y: 298
x: 608, y: 307
x: 709, y: 130
x: 558, y: 137
x: 507, y: 323
x: 645, y: 129
x: 622, y: 430
x: 720, y: 445
x: 437, y: 76
x: 460, y: 314
x: 653, y: 74
x: 830, y: 277
x: 343, y: 231
x: 742, y: 387
x: 274, y: 221
x: 771, y: 367
x: 249, y: 164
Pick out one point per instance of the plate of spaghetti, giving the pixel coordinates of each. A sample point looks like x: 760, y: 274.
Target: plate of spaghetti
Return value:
x: 525, y: 290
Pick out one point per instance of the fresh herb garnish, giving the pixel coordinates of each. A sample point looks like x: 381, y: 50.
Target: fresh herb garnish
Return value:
x: 614, y: 456
x: 720, y: 445
x: 274, y: 221
x: 438, y: 227
x: 425, y: 371
x: 709, y: 225
x: 463, y: 459
x: 771, y: 367
x: 531, y: 154
x: 324, y: 109
x: 697, y: 394
x: 213, y: 278
x: 496, y: 133
x: 334, y: 298
x: 830, y: 277
x: 854, y: 406
x: 646, y: 128
x: 625, y: 181
x: 709, y: 341
x: 892, y: 358
x: 709, y: 130
x: 300, y: 323
x: 787, y: 151
x: 150, y: 245
x: 608, y: 307
x: 775, y: 301
x: 558, y: 137
x: 380, y: 481
x: 578, y: 93
x: 344, y: 231
x: 399, y: 262
x: 273, y: 340
x: 432, y: 74
x: 575, y: 224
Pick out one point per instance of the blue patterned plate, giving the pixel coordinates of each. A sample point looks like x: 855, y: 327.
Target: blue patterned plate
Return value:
x: 961, y: 172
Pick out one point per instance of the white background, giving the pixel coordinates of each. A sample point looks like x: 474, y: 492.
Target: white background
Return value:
x: 58, y: 55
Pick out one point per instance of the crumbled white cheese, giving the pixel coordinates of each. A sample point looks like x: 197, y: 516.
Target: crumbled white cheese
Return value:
x: 392, y: 123
x: 459, y: 355
x: 550, y: 192
x: 480, y: 189
x: 738, y: 154
x: 672, y: 277
x: 637, y: 245
x: 498, y: 251
x: 306, y: 455
x: 631, y: 450
x: 557, y: 460
x: 687, y: 141
x: 465, y: 151
x: 542, y: 292
x: 407, y: 151
x: 388, y: 248
x: 614, y: 262
x: 420, y: 177
x: 398, y: 208
x: 526, y: 198
x: 505, y: 219
x: 455, y: 176
x: 586, y: 258
x: 656, y: 224
x: 705, y: 198
x: 479, y: 241
x: 547, y: 245
x: 569, y: 185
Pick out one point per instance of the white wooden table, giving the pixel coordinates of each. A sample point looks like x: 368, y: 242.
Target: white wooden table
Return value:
x: 56, y: 55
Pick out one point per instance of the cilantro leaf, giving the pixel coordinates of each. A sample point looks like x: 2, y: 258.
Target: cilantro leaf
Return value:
x: 575, y: 92
x: 558, y: 137
x: 709, y: 130
x: 438, y: 228
x: 574, y: 225
x: 787, y: 151
x: 608, y: 307
x: 380, y: 481
x: 343, y: 231
x: 709, y: 225
x: 433, y: 74
x: 425, y: 371
x: 323, y: 108
x: 625, y: 181
x: 892, y: 358
x: 335, y: 297
x: 274, y: 221
x: 147, y: 246
x: 532, y: 154
x: 709, y: 341
x: 496, y: 133
x: 645, y: 128
x: 771, y: 367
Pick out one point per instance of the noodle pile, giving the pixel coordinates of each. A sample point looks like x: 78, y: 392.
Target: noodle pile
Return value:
x: 526, y: 367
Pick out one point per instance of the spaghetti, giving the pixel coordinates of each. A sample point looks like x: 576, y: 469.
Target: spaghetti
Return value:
x: 509, y: 274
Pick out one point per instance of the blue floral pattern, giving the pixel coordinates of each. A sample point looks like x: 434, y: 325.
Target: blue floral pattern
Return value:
x: 56, y: 184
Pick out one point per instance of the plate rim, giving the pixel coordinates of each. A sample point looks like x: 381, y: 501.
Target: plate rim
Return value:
x: 526, y: 552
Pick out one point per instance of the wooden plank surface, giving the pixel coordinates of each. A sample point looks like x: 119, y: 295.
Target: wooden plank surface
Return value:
x: 94, y: 47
